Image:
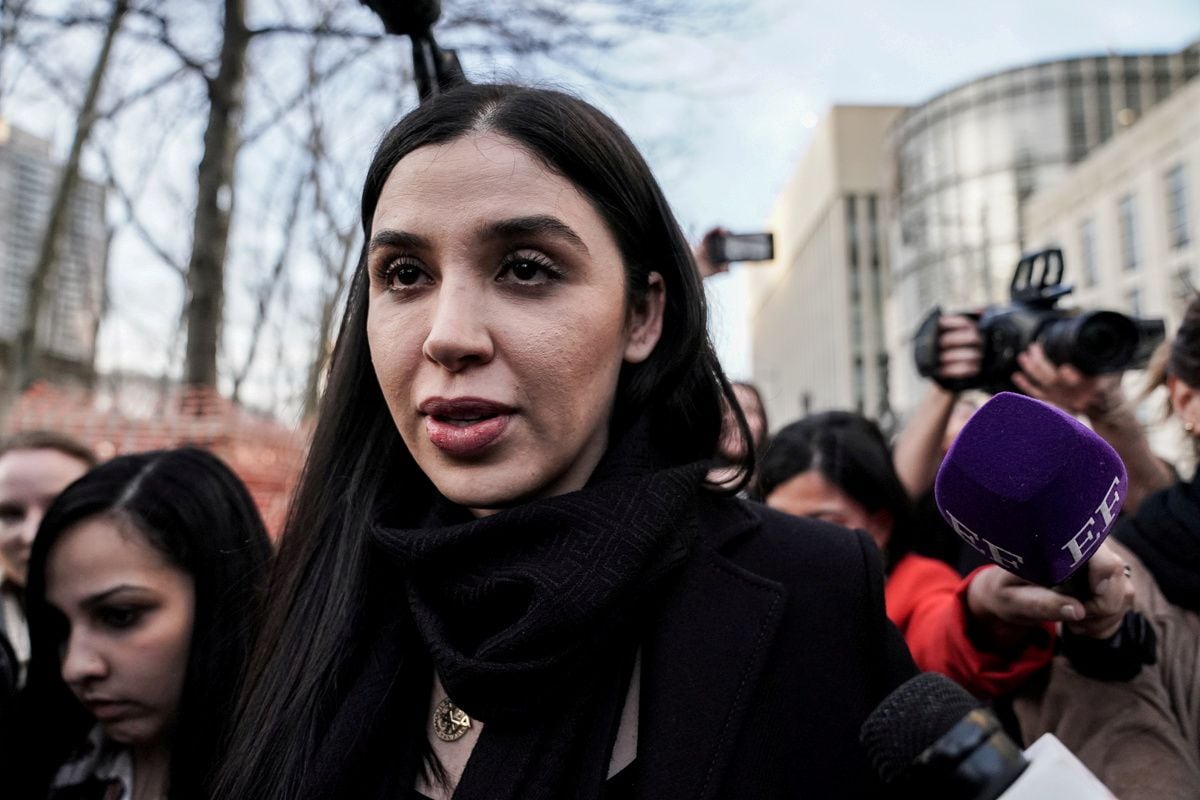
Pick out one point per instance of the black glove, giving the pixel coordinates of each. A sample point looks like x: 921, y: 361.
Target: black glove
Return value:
x: 1119, y: 657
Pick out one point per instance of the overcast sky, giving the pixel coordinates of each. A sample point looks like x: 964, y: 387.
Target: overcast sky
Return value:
x: 744, y: 101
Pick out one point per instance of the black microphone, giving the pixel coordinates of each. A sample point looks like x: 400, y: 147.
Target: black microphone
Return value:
x: 930, y: 739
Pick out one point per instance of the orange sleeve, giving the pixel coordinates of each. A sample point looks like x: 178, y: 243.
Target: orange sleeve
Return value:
x: 927, y: 601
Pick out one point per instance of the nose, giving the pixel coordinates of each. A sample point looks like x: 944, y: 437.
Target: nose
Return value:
x: 458, y: 334
x: 82, y: 662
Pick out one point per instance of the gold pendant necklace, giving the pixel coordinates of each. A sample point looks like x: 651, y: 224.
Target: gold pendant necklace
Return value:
x: 450, y: 722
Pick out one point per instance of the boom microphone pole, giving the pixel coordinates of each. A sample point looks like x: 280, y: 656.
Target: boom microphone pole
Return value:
x: 436, y: 70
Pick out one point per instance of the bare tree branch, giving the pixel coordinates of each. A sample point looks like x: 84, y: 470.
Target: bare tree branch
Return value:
x: 333, y: 33
x: 135, y: 222
x: 266, y: 291
x: 141, y: 94
x: 306, y: 91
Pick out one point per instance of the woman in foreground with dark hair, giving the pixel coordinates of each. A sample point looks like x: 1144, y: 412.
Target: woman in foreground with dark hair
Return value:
x: 990, y: 631
x: 504, y: 576
x: 144, y: 581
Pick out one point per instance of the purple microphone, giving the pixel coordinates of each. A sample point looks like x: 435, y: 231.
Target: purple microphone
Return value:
x: 1031, y: 488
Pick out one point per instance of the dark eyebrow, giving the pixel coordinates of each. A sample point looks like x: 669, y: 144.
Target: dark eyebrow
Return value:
x: 541, y: 225
x: 398, y: 239
x: 97, y: 599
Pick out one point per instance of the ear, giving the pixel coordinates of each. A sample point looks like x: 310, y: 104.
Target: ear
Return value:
x: 646, y: 321
x: 1183, y: 400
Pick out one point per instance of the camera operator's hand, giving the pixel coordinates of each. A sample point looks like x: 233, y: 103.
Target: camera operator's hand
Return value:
x: 960, y: 347
x: 1112, y: 595
x: 1065, y: 386
x: 704, y: 265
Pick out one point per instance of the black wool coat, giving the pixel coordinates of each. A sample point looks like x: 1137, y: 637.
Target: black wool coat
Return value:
x: 764, y: 654
x: 771, y: 649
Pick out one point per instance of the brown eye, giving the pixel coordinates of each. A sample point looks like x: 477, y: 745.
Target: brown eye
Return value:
x: 525, y: 270
x: 528, y: 270
x: 406, y: 275
x: 121, y: 617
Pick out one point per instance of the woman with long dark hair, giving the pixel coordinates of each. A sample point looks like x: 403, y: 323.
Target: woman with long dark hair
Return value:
x: 503, y: 575
x: 144, y: 583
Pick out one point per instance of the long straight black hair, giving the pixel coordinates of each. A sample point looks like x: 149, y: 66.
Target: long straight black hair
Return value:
x: 190, y: 507
x: 318, y: 597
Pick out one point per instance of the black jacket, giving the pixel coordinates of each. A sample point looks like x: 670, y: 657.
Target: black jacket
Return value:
x: 767, y: 657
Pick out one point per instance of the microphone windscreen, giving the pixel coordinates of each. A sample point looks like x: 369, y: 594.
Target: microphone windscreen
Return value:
x: 1031, y: 488
x: 915, y: 715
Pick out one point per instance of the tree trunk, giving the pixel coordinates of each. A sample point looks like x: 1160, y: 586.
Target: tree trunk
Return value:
x: 214, y: 201
x: 25, y: 355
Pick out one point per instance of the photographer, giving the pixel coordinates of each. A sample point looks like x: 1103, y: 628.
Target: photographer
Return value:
x: 930, y: 430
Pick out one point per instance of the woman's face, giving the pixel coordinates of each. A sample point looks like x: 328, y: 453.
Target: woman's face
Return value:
x: 29, y: 482
x: 129, y: 618
x: 809, y: 494
x: 497, y: 321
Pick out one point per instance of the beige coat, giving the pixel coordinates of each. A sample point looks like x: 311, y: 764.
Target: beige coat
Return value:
x: 1141, y: 737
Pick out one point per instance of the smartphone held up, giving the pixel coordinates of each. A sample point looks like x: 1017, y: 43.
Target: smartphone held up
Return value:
x: 724, y: 248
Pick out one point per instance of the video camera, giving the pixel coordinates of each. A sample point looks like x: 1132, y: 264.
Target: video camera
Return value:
x: 1094, y: 342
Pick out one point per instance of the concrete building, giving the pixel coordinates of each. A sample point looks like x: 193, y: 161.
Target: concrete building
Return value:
x: 75, y: 293
x: 1127, y: 218
x: 965, y: 163
x: 817, y: 310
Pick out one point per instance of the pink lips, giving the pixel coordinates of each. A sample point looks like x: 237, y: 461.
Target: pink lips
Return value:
x: 108, y: 710
x: 464, y: 426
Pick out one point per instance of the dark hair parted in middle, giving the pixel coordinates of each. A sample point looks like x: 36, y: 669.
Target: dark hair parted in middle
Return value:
x: 192, y: 508
x: 318, y: 603
x: 851, y: 453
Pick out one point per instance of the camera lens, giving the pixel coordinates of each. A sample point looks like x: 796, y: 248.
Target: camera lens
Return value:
x: 1095, y: 342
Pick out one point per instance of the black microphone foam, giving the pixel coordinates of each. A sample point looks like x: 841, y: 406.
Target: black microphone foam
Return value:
x: 917, y: 713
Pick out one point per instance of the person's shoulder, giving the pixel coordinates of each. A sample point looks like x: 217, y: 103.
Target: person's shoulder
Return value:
x: 789, y: 548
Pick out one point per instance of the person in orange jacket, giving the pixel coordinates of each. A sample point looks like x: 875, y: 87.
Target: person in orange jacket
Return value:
x: 990, y: 631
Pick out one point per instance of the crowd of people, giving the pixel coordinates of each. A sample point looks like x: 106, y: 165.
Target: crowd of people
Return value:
x: 543, y: 548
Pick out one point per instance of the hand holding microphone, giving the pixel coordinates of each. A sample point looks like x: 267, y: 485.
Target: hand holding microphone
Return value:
x: 1031, y: 488
x: 1037, y: 492
x: 996, y: 594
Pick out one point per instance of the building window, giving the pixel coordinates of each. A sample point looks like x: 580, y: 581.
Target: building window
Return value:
x: 873, y: 229
x: 1177, y: 207
x: 1133, y: 301
x: 860, y: 385
x: 1183, y: 289
x: 1133, y: 88
x: 1087, y: 248
x: 851, y: 233
x: 1162, y: 82
x: 1076, y: 112
x: 1127, y: 215
x: 1104, y: 109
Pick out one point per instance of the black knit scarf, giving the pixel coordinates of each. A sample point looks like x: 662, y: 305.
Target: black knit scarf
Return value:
x: 530, y: 618
x: 1165, y: 535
